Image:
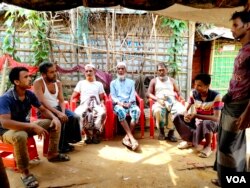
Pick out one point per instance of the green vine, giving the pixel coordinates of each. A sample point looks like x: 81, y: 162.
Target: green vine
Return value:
x: 36, y: 24
x: 9, y: 41
x: 177, y: 42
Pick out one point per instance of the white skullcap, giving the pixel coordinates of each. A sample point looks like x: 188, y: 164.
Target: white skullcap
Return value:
x: 122, y: 63
x: 89, y: 65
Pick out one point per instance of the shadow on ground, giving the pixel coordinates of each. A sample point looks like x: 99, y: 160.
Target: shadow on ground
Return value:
x: 109, y: 164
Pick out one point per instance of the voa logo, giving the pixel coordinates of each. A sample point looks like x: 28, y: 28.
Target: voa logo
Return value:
x: 236, y: 179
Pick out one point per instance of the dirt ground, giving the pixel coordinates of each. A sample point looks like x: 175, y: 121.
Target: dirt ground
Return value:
x: 110, y: 164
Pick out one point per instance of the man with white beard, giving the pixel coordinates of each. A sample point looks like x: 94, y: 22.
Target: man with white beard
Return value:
x: 163, y: 90
x: 122, y: 91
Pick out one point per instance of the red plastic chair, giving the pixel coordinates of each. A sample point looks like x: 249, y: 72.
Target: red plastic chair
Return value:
x: 152, y: 125
x: 141, y: 122
x: 33, y: 117
x: 151, y: 117
x: 108, y: 126
x: 7, y: 153
x: 213, y: 142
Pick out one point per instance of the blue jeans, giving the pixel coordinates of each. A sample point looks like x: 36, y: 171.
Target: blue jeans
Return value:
x: 70, y: 132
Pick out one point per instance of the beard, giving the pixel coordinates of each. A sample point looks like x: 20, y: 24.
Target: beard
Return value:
x: 121, y: 77
x: 51, y: 80
x: 162, y: 78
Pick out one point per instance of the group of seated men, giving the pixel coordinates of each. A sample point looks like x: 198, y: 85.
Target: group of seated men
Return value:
x: 194, y: 126
x: 65, y: 127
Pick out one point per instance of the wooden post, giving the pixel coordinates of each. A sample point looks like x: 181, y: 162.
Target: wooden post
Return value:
x: 73, y: 31
x: 212, y: 57
x: 191, y: 34
x: 113, y: 37
x: 108, y: 67
x: 3, y: 82
x: 155, y: 34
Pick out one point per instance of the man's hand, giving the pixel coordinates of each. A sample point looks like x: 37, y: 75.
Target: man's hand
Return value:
x: 41, y: 132
x: 55, y: 124
x: 63, y: 118
x: 189, y: 117
x: 126, y: 105
x: 161, y: 101
x: 243, y: 122
x: 102, y: 104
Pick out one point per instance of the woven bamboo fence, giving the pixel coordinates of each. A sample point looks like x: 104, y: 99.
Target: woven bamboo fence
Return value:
x: 105, y: 38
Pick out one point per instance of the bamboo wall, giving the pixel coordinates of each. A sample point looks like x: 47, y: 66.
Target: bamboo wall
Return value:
x: 134, y: 39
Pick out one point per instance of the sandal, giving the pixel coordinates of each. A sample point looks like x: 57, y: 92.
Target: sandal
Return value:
x: 96, y: 140
x: 126, y: 143
x: 185, y: 145
x: 35, y: 161
x: 88, y: 140
x: 215, y: 182
x: 30, y: 181
x: 135, y: 145
x: 161, y: 137
x: 59, y: 158
x: 206, y: 152
x: 199, y: 148
x: 171, y: 138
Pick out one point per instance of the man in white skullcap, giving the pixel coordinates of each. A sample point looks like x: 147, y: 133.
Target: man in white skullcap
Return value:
x: 91, y: 109
x: 122, y: 91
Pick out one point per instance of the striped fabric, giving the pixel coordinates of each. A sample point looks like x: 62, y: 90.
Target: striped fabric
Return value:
x: 213, y: 102
x: 231, y: 151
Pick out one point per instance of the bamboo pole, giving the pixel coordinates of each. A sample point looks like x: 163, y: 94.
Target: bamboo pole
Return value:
x: 73, y: 29
x: 3, y: 82
x: 191, y: 34
x: 107, y: 45
x: 101, y: 50
x: 113, y: 37
x: 212, y: 56
x: 155, y: 34
x: 133, y: 46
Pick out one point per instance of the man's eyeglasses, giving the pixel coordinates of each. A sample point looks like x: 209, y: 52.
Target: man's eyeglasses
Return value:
x: 88, y: 70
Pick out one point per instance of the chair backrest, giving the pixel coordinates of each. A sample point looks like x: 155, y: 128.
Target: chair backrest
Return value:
x: 140, y: 103
x: 151, y: 117
x: 108, y: 125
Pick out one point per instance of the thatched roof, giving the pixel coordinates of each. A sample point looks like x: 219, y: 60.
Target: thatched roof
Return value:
x: 47, y: 5
x: 207, y: 11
